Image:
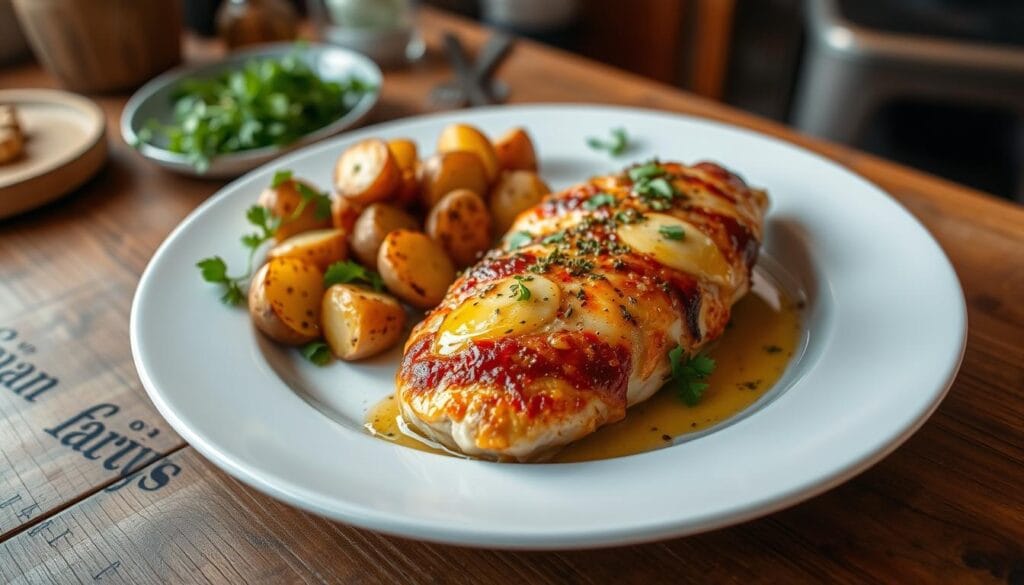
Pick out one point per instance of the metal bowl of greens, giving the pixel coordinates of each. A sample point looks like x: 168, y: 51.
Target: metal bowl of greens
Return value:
x: 222, y: 119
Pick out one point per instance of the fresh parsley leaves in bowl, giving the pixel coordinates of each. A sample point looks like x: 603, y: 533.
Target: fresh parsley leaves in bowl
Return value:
x: 223, y: 119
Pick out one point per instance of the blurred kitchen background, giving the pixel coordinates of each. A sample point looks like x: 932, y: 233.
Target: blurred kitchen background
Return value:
x: 935, y: 84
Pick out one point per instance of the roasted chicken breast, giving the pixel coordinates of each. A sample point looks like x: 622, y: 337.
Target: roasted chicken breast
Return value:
x: 571, y: 320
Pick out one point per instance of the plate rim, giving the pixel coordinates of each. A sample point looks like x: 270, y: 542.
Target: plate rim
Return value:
x: 463, y: 535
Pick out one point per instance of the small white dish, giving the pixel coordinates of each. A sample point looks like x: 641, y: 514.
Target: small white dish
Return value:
x: 154, y: 101
x: 65, y: 145
x: 885, y: 321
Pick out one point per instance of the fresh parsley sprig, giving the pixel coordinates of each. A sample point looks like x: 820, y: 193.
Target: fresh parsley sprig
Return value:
x: 617, y: 145
x: 317, y: 352
x: 215, y: 270
x: 347, y: 271
x: 321, y: 202
x: 689, y: 373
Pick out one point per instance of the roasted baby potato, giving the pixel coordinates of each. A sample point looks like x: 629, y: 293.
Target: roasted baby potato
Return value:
x: 344, y: 213
x: 515, y: 192
x: 405, y: 154
x: 283, y: 200
x: 367, y: 172
x: 461, y: 223
x: 415, y: 268
x: 358, y: 323
x: 463, y: 137
x: 284, y: 300
x: 373, y: 225
x: 515, y: 151
x: 448, y: 171
x: 318, y: 247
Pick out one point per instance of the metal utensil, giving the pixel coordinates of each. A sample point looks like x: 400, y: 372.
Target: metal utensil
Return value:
x: 473, y: 84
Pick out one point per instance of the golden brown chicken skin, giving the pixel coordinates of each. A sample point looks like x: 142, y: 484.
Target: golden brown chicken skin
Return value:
x: 570, y: 321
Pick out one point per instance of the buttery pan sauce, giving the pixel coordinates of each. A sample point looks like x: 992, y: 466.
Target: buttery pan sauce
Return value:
x: 762, y: 337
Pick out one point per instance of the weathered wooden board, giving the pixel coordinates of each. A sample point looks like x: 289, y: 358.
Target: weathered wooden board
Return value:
x: 948, y: 506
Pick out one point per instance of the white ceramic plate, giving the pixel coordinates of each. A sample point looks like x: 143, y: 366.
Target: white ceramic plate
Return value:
x: 155, y: 101
x: 885, y: 321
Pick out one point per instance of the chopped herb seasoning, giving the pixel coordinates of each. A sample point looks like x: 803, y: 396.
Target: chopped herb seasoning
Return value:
x: 627, y: 315
x: 672, y: 232
x: 599, y: 200
x: 645, y: 171
x: 519, y: 239
x: 555, y: 238
x: 520, y: 290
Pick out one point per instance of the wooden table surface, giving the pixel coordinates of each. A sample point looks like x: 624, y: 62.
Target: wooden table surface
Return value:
x: 947, y: 506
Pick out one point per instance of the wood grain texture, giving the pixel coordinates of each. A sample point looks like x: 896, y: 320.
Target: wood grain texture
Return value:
x: 946, y: 507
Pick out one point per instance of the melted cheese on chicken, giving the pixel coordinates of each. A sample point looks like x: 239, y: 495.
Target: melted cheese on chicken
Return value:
x: 539, y: 345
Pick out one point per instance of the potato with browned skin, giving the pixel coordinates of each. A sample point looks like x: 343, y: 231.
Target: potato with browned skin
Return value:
x: 461, y: 223
x: 358, y: 323
x: 415, y: 268
x: 344, y: 213
x: 466, y: 138
x: 367, y: 172
x: 284, y: 300
x: 515, y: 151
x: 284, y: 201
x: 446, y: 172
x: 515, y: 192
x: 318, y: 247
x: 406, y: 157
x: 373, y: 225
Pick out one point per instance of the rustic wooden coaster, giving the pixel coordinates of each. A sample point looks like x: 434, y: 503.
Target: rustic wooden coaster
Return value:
x: 65, y: 144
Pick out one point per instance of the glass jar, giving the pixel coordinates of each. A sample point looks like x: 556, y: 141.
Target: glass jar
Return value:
x: 250, y: 22
x: 384, y: 30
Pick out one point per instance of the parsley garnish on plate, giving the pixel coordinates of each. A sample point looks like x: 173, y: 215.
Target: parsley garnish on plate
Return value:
x: 615, y: 146
x: 689, y: 373
x: 317, y: 352
x: 348, y: 271
x: 672, y: 232
x: 215, y: 270
x: 321, y: 202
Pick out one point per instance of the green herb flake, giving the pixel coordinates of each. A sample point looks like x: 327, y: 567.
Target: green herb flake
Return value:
x: 348, y: 271
x: 617, y: 145
x: 320, y: 201
x: 688, y: 374
x: 672, y: 232
x: 317, y: 352
x: 554, y: 238
x: 598, y: 200
x: 280, y: 178
x: 645, y: 171
x: 520, y: 289
x: 519, y: 239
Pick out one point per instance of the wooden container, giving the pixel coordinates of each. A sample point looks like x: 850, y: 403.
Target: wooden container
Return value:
x: 103, y: 45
